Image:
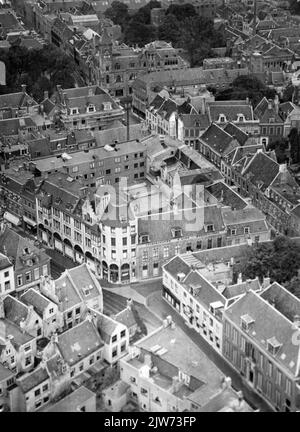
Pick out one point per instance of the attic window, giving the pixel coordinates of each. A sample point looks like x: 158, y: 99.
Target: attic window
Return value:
x: 144, y: 238
x: 107, y: 106
x: 273, y: 345
x: 74, y: 111
x: 222, y: 118
x: 91, y: 108
x: 26, y: 250
x: 246, y: 321
x: 177, y: 232
x: 241, y: 118
x: 210, y: 228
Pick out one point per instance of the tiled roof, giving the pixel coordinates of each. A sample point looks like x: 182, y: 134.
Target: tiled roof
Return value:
x: 10, y: 127
x: 33, y: 379
x: 228, y: 196
x: 14, y: 245
x: 15, y: 100
x: 15, y: 310
x: 282, y: 300
x: 79, y: 342
x: 268, y: 323
x: 106, y: 327
x: 72, y: 401
x: 261, y: 171
x: 177, y: 265
x: 236, y: 133
x: 19, y: 337
x: 83, y: 278
x: 37, y: 300
x: 230, y: 109
x: 191, y: 222
x: 5, y: 373
x: 216, y: 138
x: 195, y: 120
x: 66, y: 292
x: 239, y: 289
x: 126, y: 317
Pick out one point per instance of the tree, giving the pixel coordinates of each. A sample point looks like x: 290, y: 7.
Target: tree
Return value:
x: 139, y: 34
x: 118, y: 13
x: 247, y: 86
x: 294, y: 145
x: 279, y: 259
x: 281, y: 147
x: 40, y: 69
x: 293, y: 286
x: 180, y: 12
x: 170, y: 30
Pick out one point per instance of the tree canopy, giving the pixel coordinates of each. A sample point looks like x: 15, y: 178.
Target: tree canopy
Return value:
x: 40, y: 70
x: 181, y: 26
x: 246, y: 86
x: 280, y: 260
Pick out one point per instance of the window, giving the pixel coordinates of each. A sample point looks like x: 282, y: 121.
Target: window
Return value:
x: 37, y: 392
x: 270, y: 368
x: 45, y: 387
x: 123, y: 333
x: 6, y: 285
x: 28, y: 276
x: 288, y: 387
x: 246, y: 230
x: 278, y: 377
x: 6, y: 274
x: 27, y: 348
x: 81, y: 366
x: 27, y: 361
x: 144, y: 391
x: 115, y: 352
x: 77, y: 311
x: 114, y: 338
x: 166, y: 251
x: 233, y: 231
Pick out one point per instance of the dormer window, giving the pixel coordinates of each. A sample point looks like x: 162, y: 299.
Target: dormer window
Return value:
x: 177, y: 232
x: 246, y: 321
x: 246, y: 230
x: 107, y: 106
x: 241, y: 118
x: 222, y: 118
x: 74, y: 111
x: 210, y: 228
x: 233, y: 232
x: 144, y: 238
x: 91, y: 108
x: 271, y: 120
x: 273, y: 345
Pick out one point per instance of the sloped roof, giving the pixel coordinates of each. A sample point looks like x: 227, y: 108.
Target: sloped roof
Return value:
x: 268, y: 323
x: 79, y: 342
x: 36, y: 299
x: 228, y: 196
x: 15, y: 310
x: 33, y: 379
x: 262, y: 170
x: 81, y: 277
x: 231, y: 109
x: 236, y: 133
x: 216, y: 138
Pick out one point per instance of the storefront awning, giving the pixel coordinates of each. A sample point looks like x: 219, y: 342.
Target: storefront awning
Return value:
x: 11, y: 218
x: 29, y: 221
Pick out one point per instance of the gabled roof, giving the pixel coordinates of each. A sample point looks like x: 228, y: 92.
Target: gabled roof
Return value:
x: 261, y: 171
x: 16, y: 100
x: 226, y: 195
x: 236, y: 133
x: 79, y: 342
x: 33, y: 379
x: 15, y: 310
x: 282, y: 300
x: 14, y: 247
x: 36, y: 299
x: 231, y: 109
x: 217, y: 139
x: 19, y: 337
x: 267, y: 323
x: 82, y: 278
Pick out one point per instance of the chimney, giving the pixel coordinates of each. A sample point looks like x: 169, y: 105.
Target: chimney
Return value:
x: 91, y: 92
x: 226, y: 383
x: 129, y: 303
x: 248, y: 285
x: 240, y: 279
x: 46, y: 94
x: 296, y: 321
x: 23, y: 86
x: 148, y: 360
x: 270, y: 104
x: 276, y: 103
x: 266, y: 282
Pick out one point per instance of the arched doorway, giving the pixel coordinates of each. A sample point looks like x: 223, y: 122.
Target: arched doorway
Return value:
x: 79, y: 256
x: 58, y: 244
x: 89, y: 259
x: 114, y: 273
x: 68, y: 249
x: 125, y: 273
x: 104, y: 270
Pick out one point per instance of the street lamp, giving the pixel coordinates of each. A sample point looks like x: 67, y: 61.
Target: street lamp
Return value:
x: 127, y: 103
